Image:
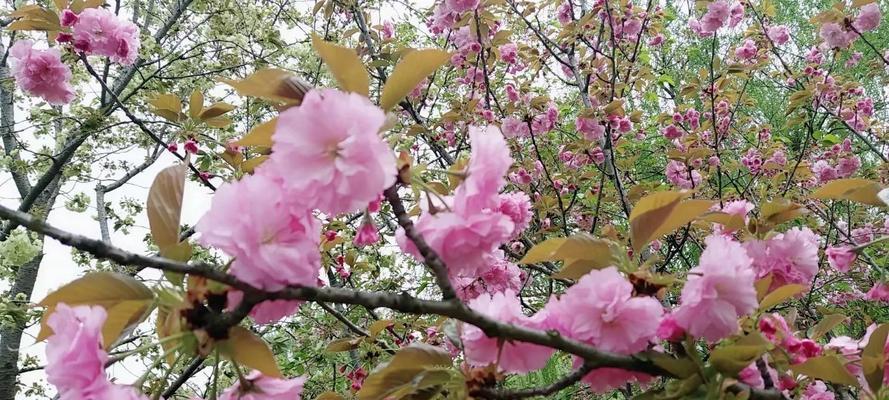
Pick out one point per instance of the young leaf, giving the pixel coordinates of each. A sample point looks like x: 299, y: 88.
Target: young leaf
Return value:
x: 167, y: 106
x: 854, y: 189
x: 344, y: 64
x: 580, y: 254
x: 413, y: 369
x: 780, y: 295
x: 873, y: 358
x: 250, y: 351
x: 660, y: 213
x: 215, y: 110
x: 164, y: 206
x: 259, y: 135
x: 275, y: 85
x: 410, y: 71
x: 827, y: 368
x: 195, y: 104
x: 826, y: 325
x: 106, y: 289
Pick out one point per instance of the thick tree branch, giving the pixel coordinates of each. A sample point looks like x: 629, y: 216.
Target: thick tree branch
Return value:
x: 398, y: 302
x: 429, y: 257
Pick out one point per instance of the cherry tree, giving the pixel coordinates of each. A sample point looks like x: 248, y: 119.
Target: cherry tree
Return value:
x: 493, y: 199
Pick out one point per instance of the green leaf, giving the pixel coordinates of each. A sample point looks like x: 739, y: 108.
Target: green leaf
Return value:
x: 215, y: 110
x: 275, y: 85
x: 661, y: 213
x: 828, y: 368
x: 873, y: 358
x: 164, y: 206
x: 580, y: 253
x: 826, y: 325
x: 780, y: 295
x: 167, y: 106
x: 731, y: 359
x: 195, y: 104
x: 248, y: 350
x: 418, y: 368
x: 344, y: 64
x: 340, y: 345
x: 855, y: 189
x: 410, y: 71
x: 126, y: 301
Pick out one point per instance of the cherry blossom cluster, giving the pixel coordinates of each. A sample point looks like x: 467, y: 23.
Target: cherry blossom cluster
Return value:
x: 76, y: 363
x: 328, y: 157
x: 95, y: 31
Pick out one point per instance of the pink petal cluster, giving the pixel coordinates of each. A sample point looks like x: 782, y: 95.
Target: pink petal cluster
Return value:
x: 473, y: 226
x: 459, y: 6
x: 600, y: 309
x: 591, y: 129
x: 75, y: 357
x: 835, y: 36
x: 328, y: 151
x: 266, y: 312
x: 718, y: 291
x: 868, y: 18
x: 791, y: 257
x: 264, y: 387
x: 747, y: 50
x: 515, y: 128
x: 717, y: 15
x: 515, y: 357
x: 99, y: 31
x: 274, y: 242
x: 516, y: 206
x: 498, y: 276
x: 840, y: 257
x: 779, y: 34
x: 41, y: 72
x: 879, y: 292
x: 682, y: 176
x: 817, y: 391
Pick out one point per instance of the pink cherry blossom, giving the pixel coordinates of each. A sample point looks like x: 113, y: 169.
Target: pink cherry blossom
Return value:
x: 41, y: 72
x: 835, y: 36
x: 99, y: 31
x: 779, y: 34
x: 498, y: 275
x: 718, y: 291
x: 879, y: 292
x: 265, y: 388
x: 387, y: 30
x: 591, y: 129
x: 459, y: 6
x: 791, y: 257
x: 266, y: 312
x: 747, y: 51
x: 274, y: 242
x: 68, y: 18
x: 718, y: 13
x: 840, y: 257
x: 817, y: 391
x: 74, y: 354
x: 513, y: 127
x: 737, y: 15
x: 669, y: 330
x: 517, y: 206
x: 868, y: 18
x: 328, y: 151
x: 509, y: 53
x: 482, y: 350
x: 367, y: 234
x: 461, y: 241
x: 656, y: 40
x: 600, y: 309
x: 489, y: 161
